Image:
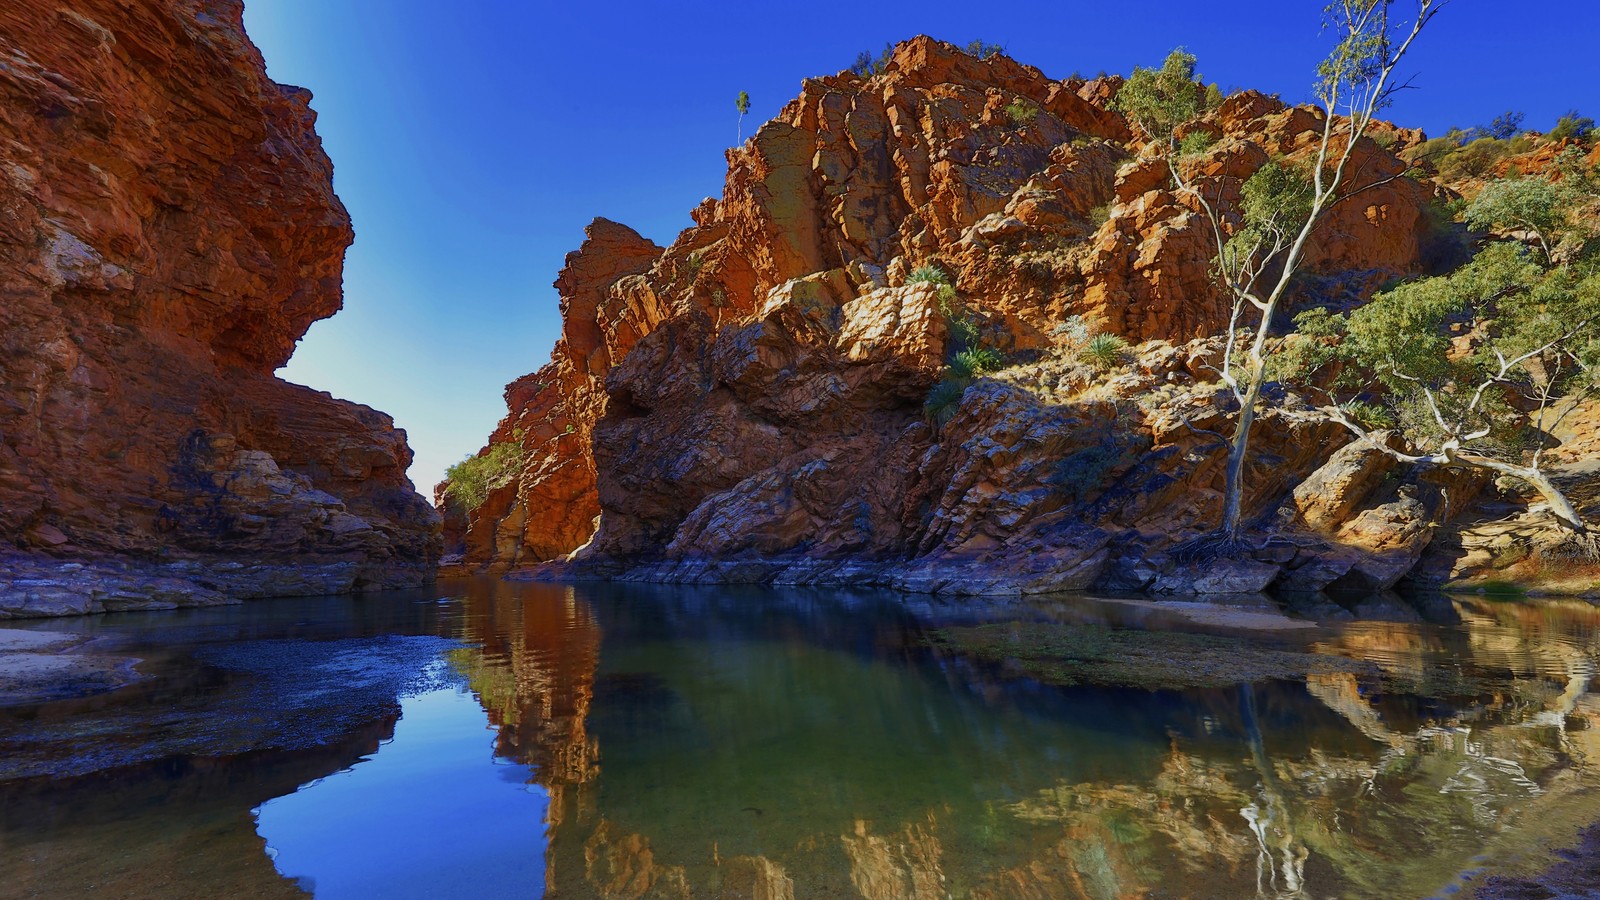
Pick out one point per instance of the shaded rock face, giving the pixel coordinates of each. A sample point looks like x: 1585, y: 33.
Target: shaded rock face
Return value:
x: 748, y: 403
x: 169, y: 232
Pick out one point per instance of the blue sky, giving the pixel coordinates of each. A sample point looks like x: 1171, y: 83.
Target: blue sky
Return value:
x: 473, y: 140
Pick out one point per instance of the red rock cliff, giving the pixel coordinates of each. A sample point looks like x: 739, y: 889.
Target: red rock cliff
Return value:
x: 169, y: 231
x: 749, y: 403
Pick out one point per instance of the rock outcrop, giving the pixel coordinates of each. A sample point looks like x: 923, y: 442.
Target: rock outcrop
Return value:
x: 749, y: 403
x: 169, y: 231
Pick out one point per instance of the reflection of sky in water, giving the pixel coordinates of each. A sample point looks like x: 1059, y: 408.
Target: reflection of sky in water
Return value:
x: 756, y: 742
x: 438, y: 815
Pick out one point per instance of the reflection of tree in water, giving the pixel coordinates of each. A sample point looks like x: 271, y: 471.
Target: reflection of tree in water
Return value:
x: 1475, y: 739
x: 1511, y: 760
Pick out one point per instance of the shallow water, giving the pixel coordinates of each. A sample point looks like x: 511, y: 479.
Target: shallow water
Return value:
x: 492, y: 739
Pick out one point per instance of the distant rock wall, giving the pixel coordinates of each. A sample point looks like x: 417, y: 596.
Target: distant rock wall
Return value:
x: 168, y: 231
x: 753, y: 405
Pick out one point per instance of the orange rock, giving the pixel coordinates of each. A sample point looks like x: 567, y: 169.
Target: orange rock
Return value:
x: 169, y: 232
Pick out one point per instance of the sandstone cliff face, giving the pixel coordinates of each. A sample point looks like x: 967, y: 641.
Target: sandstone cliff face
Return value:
x: 761, y: 416
x: 169, y: 232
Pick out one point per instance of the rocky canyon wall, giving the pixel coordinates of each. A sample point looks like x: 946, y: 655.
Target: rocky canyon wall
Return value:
x: 753, y: 402
x: 169, y: 232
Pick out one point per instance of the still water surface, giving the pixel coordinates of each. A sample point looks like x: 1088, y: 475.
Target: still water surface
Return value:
x: 492, y: 739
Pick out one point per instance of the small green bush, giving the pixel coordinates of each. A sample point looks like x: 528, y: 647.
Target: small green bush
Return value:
x: 928, y: 274
x: 1103, y: 351
x: 1100, y: 215
x: 1021, y: 112
x: 944, y: 400
x: 1572, y: 125
x: 1195, y: 143
x: 866, y: 66
x: 1072, y: 329
x: 977, y: 361
x: 1475, y: 159
x: 1214, y: 96
x: 1079, y: 474
x: 470, y: 481
x: 983, y: 49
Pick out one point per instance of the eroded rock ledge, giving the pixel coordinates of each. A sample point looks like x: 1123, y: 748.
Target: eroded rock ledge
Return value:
x: 748, y: 404
x: 168, y: 231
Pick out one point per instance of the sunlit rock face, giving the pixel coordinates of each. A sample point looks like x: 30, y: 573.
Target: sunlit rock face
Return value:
x: 169, y: 232
x: 749, y: 404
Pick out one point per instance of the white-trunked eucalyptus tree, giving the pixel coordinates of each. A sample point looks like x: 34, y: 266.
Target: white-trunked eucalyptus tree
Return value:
x: 1261, y: 247
x: 1476, y: 368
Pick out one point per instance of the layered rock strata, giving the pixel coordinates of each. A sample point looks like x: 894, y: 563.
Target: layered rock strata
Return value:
x: 169, y: 232
x: 749, y: 403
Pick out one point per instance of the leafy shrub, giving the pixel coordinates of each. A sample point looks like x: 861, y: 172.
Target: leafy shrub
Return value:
x: 944, y: 399
x: 1078, y: 474
x: 1021, y: 111
x: 470, y: 481
x: 1505, y: 126
x: 983, y: 49
x: 1214, y: 96
x: 692, y: 264
x: 971, y: 363
x: 866, y: 66
x: 1195, y: 143
x: 1072, y: 329
x: 1476, y: 158
x: 928, y: 274
x: 1572, y: 125
x: 1100, y: 214
x: 1159, y: 100
x: 1103, y: 351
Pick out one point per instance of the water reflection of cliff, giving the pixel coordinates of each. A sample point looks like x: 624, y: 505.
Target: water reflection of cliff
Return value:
x: 801, y: 745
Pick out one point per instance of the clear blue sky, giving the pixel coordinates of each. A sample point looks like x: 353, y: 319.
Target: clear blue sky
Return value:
x: 473, y: 140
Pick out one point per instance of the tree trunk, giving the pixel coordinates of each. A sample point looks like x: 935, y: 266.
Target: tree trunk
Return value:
x: 1560, y: 506
x: 1233, y: 487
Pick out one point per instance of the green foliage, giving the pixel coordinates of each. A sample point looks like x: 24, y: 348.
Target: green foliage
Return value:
x: 1572, y: 126
x: 1534, y: 204
x: 944, y: 399
x: 1103, y: 351
x: 983, y: 49
x: 1214, y: 96
x: 1402, y: 344
x: 969, y: 361
x: 1079, y: 474
x: 1100, y: 214
x: 1073, y: 329
x: 1474, y: 159
x: 742, y: 103
x: 1274, y: 203
x: 1159, y: 100
x: 470, y: 481
x: 692, y: 264
x: 1505, y: 126
x: 1195, y: 143
x: 969, y: 364
x: 928, y: 274
x: 1022, y: 111
x: 866, y: 66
